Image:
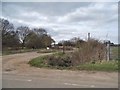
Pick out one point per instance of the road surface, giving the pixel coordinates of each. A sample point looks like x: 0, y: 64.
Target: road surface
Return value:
x: 18, y: 74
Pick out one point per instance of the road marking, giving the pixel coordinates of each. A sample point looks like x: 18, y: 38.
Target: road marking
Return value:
x: 20, y: 80
x: 67, y: 83
x: 72, y: 84
x: 92, y: 86
x: 29, y: 80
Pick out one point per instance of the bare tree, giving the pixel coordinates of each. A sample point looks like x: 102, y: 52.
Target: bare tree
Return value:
x: 6, y: 26
x: 23, y: 31
x: 9, y: 36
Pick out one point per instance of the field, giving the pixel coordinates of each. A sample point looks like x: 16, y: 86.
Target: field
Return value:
x: 114, y: 51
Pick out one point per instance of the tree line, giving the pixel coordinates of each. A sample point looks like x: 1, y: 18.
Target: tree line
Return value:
x: 23, y: 36
x: 74, y: 42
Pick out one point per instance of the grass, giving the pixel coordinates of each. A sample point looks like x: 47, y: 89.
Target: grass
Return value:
x: 109, y: 66
x: 8, y: 52
x: 41, y: 61
x: 38, y: 62
x: 114, y: 52
x: 104, y: 66
x: 46, y: 51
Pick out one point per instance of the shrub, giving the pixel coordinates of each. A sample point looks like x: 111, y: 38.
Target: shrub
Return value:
x: 91, y: 50
x: 60, y: 60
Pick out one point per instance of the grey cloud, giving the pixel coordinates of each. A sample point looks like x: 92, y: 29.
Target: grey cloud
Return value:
x: 0, y: 8
x: 94, y: 12
x: 65, y: 20
x: 52, y: 8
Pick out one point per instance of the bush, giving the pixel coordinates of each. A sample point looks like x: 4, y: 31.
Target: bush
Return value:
x: 60, y: 60
x: 92, y: 50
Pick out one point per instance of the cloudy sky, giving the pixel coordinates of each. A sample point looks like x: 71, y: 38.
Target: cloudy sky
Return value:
x: 64, y: 20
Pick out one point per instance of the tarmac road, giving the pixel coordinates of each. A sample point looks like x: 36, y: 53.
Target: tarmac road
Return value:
x: 18, y: 74
x: 16, y: 81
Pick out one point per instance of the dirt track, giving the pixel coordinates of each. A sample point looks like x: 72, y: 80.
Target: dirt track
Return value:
x: 16, y: 64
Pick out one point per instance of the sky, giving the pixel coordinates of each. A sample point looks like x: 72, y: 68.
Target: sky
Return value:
x: 65, y: 20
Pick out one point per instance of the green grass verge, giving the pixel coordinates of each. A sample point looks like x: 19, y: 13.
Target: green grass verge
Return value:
x: 38, y: 62
x: 104, y: 66
x: 109, y: 66
x: 46, y: 51
x: 8, y: 52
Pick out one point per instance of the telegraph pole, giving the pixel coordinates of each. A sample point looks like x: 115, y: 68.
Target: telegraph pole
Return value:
x: 63, y: 48
x: 88, y: 36
x: 108, y: 50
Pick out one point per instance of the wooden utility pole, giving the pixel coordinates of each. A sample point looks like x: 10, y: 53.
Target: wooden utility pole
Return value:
x: 108, y: 50
x: 88, y: 36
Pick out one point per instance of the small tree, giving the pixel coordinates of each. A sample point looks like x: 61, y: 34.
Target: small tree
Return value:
x: 32, y: 41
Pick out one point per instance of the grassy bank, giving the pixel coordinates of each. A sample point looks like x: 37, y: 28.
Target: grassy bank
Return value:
x: 47, y: 51
x: 8, y: 52
x: 63, y: 63
x: 104, y: 66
